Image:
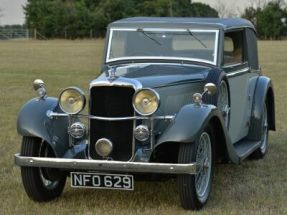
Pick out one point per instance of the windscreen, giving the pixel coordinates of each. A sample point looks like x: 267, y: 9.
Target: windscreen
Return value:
x: 181, y: 44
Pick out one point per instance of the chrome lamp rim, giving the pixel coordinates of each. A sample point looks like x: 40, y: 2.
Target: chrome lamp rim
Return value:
x: 82, y: 94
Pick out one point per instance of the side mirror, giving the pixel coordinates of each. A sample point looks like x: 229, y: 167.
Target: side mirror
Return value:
x: 210, y: 88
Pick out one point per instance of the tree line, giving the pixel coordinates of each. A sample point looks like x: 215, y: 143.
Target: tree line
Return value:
x: 88, y: 18
x: 270, y: 19
x: 82, y: 18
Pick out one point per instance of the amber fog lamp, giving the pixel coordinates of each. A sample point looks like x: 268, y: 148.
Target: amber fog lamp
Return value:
x: 104, y: 147
x: 146, y: 102
x: 72, y: 100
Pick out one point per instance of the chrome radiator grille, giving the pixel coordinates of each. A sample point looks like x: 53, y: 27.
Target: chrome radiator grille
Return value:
x: 107, y: 101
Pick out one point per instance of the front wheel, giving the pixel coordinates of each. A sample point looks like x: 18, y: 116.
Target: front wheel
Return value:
x: 41, y: 184
x: 194, y: 190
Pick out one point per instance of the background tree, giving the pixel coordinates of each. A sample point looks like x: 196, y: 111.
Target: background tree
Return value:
x: 269, y: 19
x: 269, y: 22
x: 78, y: 18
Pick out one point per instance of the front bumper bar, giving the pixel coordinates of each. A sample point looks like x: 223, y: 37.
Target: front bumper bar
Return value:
x: 104, y: 165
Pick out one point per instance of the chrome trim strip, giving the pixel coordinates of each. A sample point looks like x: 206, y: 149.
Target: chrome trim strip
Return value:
x: 52, y: 114
x: 216, y: 50
x: 238, y: 72
x: 161, y: 58
x: 104, y: 165
x: 155, y: 63
x: 230, y: 66
x: 108, y: 60
x: 119, y: 82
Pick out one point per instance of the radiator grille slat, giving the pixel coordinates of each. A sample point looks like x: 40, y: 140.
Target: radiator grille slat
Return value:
x: 112, y: 102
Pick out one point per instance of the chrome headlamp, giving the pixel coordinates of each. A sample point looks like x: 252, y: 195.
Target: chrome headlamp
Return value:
x: 146, y: 102
x: 72, y: 100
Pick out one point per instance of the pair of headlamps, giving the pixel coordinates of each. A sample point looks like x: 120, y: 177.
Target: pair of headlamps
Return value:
x: 145, y: 101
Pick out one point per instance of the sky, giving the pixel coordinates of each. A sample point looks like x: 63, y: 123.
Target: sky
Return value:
x: 12, y: 11
x: 234, y: 7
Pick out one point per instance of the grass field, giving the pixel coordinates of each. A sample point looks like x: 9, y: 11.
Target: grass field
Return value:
x: 254, y: 187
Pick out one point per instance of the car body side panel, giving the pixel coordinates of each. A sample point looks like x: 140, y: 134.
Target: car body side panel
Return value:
x: 33, y: 121
x: 263, y: 85
x: 241, y: 91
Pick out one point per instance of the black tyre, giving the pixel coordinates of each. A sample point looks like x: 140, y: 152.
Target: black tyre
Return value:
x: 262, y: 150
x: 194, y: 190
x: 41, y: 184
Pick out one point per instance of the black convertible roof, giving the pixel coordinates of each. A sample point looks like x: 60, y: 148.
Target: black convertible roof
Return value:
x: 226, y: 23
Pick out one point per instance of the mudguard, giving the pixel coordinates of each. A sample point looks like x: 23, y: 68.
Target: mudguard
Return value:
x: 263, y: 92
x: 189, y: 124
x: 33, y: 121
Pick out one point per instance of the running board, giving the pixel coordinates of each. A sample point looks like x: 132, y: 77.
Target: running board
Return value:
x: 244, y: 148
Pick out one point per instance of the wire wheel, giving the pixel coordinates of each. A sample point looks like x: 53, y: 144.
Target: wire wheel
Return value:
x: 194, y: 190
x: 203, y: 159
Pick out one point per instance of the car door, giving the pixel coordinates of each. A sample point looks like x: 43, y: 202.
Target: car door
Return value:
x: 241, y: 83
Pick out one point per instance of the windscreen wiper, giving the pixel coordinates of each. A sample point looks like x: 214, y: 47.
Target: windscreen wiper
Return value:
x: 195, y: 37
x: 148, y: 36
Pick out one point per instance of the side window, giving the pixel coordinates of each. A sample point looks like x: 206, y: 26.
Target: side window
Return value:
x: 233, y: 48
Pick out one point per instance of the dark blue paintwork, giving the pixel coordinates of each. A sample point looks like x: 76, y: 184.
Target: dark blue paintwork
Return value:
x: 263, y: 93
x: 33, y: 121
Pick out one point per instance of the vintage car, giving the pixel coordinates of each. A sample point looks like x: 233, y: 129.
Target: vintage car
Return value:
x: 175, y: 96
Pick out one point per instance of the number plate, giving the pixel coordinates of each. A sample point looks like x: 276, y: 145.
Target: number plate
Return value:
x: 102, y: 181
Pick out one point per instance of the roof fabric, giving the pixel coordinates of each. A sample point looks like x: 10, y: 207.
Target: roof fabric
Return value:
x: 225, y: 23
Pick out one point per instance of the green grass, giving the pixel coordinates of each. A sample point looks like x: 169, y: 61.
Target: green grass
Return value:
x: 254, y: 187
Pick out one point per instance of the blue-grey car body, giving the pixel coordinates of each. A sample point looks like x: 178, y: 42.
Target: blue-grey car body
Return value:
x: 33, y: 122
x: 175, y: 81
